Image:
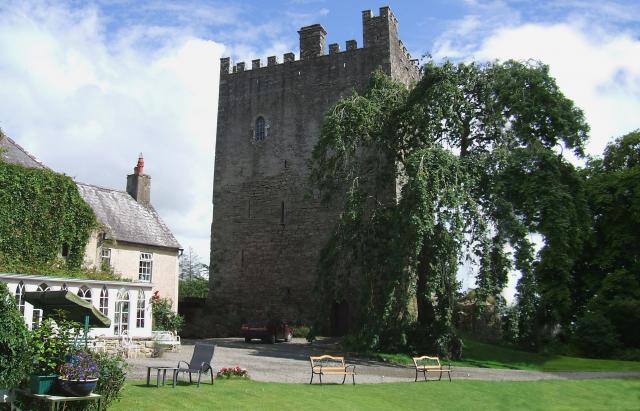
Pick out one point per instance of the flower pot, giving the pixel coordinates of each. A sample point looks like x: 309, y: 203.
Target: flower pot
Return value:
x: 42, y: 384
x: 78, y: 388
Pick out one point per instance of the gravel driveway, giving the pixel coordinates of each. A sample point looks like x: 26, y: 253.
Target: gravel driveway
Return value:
x: 289, y: 363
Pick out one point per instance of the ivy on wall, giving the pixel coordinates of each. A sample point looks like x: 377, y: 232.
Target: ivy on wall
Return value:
x: 42, y: 216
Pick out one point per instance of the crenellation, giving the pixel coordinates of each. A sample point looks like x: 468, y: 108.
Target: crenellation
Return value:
x: 351, y: 45
x: 225, y: 63
x: 289, y: 57
x: 272, y: 61
x: 312, y: 41
x: 255, y: 64
x: 334, y: 48
x: 240, y: 67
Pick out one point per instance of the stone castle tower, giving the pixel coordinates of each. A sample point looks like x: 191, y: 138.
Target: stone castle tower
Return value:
x: 267, y: 231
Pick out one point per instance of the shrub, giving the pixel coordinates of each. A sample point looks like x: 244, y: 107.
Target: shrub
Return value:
x: 595, y: 336
x: 195, y: 287
x: 15, y: 355
x: 51, y: 341
x: 112, y: 377
x: 164, y: 318
x: 301, y: 331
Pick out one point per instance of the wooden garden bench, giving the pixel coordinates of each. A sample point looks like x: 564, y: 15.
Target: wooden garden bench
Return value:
x: 329, y: 365
x: 426, y: 364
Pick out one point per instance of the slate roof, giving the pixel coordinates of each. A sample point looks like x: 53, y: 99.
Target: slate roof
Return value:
x: 14, y: 154
x: 125, y: 219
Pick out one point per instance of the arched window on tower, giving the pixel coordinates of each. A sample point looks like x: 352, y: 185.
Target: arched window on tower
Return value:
x: 260, y: 130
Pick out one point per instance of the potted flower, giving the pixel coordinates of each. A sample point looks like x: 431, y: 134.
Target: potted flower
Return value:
x: 50, y: 341
x: 79, y: 376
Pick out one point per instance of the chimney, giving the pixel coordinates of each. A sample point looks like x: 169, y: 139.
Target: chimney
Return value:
x: 139, y: 184
x: 312, y: 41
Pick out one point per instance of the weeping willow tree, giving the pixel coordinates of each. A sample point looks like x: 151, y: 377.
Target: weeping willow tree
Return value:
x: 465, y: 163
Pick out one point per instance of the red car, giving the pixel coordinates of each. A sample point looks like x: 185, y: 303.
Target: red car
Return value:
x: 268, y: 331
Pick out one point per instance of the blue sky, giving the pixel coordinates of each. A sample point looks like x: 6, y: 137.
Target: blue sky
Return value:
x: 86, y: 86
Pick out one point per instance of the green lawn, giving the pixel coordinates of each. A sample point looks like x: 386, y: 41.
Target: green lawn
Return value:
x: 458, y: 395
x: 478, y: 354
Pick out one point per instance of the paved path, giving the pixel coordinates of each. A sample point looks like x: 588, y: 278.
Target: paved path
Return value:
x: 289, y: 363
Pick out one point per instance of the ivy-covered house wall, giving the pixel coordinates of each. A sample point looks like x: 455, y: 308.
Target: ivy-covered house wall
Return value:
x: 44, y: 222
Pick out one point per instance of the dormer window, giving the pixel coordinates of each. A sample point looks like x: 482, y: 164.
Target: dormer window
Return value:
x: 260, y: 129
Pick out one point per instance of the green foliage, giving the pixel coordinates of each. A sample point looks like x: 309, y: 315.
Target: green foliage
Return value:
x: 472, y: 147
x: 164, y: 318
x: 609, y: 268
x: 595, y: 336
x: 51, y: 341
x: 113, y: 371
x: 301, y: 331
x: 194, y: 287
x: 41, y: 214
x: 15, y: 355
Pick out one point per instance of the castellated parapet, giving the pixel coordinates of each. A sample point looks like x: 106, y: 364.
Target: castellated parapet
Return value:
x: 267, y: 229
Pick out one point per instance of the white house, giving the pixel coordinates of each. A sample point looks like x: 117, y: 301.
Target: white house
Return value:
x: 132, y: 240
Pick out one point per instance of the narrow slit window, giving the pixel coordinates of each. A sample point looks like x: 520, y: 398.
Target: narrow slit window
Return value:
x: 282, y: 213
x: 260, y: 129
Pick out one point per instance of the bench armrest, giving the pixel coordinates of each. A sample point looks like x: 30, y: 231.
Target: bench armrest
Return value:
x: 353, y: 367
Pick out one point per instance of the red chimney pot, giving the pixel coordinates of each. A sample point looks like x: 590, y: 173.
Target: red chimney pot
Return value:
x: 139, y: 168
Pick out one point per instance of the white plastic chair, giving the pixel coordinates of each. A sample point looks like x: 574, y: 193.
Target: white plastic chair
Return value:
x: 127, y: 345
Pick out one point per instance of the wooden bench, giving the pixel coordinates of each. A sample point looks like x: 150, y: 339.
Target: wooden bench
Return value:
x: 426, y: 364
x: 329, y: 365
x: 166, y: 339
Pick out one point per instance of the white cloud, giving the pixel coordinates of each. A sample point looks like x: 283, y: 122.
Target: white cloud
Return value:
x: 86, y: 105
x: 599, y: 71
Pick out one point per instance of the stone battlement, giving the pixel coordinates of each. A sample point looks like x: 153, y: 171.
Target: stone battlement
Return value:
x: 376, y: 30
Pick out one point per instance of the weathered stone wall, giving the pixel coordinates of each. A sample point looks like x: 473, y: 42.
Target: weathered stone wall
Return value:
x: 267, y: 227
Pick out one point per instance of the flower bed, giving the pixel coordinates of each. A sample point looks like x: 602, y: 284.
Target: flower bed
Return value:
x: 233, y: 372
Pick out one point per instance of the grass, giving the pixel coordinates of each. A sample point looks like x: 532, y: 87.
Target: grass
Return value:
x: 478, y: 354
x: 458, y: 395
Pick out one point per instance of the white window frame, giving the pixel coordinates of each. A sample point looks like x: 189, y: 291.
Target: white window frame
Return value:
x: 105, y: 255
x: 85, y: 293
x: 121, y: 317
x: 145, y: 267
x: 140, y: 310
x: 20, y: 297
x: 104, y: 300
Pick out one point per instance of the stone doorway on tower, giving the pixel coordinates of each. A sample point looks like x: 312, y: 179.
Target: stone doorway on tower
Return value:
x: 340, y: 318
